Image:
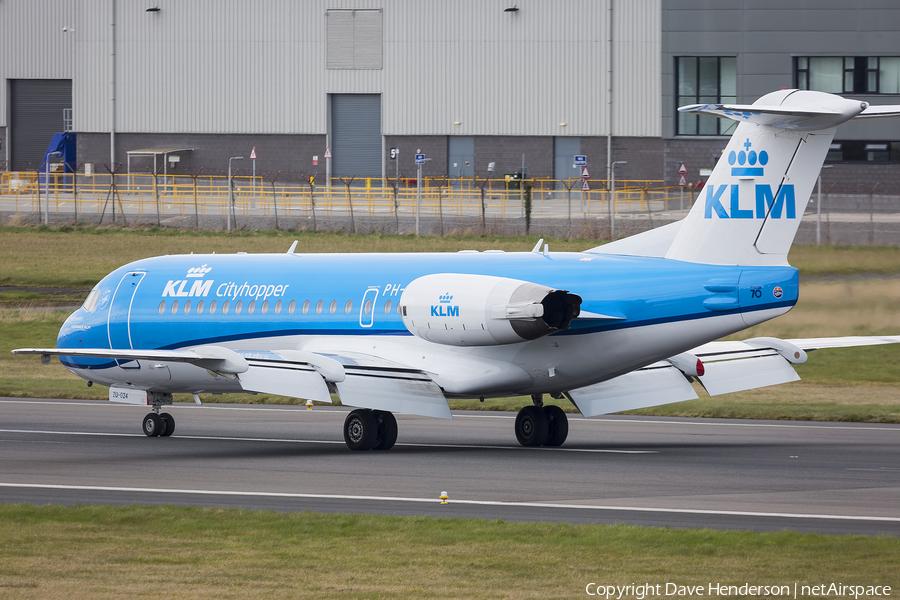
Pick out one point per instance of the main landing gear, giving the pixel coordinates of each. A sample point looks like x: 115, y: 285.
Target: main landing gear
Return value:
x: 540, y: 425
x: 366, y: 429
x: 158, y: 424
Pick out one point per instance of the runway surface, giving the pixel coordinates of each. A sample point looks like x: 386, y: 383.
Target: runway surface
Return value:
x: 722, y: 474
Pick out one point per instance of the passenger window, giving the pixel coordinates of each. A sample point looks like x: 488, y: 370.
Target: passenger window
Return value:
x: 292, y: 306
x: 200, y: 307
x: 305, y: 306
x: 368, y: 307
x: 319, y: 306
x: 187, y: 307
x: 90, y: 303
x: 238, y: 307
x: 212, y: 307
x: 225, y: 307
x: 387, y: 307
x: 265, y: 307
x: 333, y: 307
x: 278, y: 307
x: 175, y: 307
x: 162, y: 307
x: 251, y: 307
x: 348, y: 307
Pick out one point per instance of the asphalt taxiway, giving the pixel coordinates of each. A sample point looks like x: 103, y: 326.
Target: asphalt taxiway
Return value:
x: 722, y: 474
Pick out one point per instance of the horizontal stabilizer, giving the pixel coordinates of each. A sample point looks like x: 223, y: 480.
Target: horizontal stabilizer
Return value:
x: 657, y: 384
x: 879, y: 112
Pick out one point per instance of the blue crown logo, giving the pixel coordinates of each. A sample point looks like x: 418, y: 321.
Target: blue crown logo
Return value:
x: 445, y: 298
x: 749, y: 158
x: 199, y: 271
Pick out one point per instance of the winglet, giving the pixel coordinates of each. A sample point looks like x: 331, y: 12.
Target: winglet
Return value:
x: 294, y: 245
x: 537, y: 247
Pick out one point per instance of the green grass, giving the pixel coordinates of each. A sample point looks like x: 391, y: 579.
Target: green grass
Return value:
x: 175, y: 552
x: 80, y: 256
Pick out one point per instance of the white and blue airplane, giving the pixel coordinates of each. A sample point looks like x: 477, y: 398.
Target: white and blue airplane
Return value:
x: 626, y: 325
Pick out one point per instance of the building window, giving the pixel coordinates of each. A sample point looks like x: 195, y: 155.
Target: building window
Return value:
x: 353, y: 39
x: 705, y: 80
x: 864, y: 151
x: 848, y: 74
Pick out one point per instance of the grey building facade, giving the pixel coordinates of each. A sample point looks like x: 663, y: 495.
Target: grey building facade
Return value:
x: 739, y: 50
x: 467, y: 83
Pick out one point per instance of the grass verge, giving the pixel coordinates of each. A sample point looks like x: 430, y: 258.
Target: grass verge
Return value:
x: 177, y: 552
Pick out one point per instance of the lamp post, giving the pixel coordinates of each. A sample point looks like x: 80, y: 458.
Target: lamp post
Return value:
x: 612, y: 199
x: 819, y: 206
x: 230, y: 195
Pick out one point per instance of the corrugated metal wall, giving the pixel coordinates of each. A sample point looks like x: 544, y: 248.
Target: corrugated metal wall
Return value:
x: 224, y: 66
x: 33, y: 44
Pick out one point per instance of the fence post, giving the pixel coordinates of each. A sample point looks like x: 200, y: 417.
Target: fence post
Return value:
x: 350, y: 200
x: 274, y: 199
x: 311, y: 181
x: 196, y: 210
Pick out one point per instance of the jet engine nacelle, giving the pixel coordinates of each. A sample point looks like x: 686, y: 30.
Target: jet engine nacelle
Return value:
x: 480, y: 310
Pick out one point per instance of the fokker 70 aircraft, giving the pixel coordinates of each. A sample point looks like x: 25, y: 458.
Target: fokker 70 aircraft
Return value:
x: 625, y: 325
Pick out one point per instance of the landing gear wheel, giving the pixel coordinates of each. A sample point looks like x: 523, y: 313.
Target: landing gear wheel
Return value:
x: 153, y: 425
x: 558, y: 426
x: 387, y: 430
x: 361, y: 429
x: 169, y: 421
x: 532, y: 426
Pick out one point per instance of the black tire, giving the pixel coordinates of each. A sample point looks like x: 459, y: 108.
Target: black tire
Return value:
x: 532, y: 426
x: 169, y: 422
x: 360, y: 429
x: 387, y: 430
x: 558, y: 426
x: 152, y: 425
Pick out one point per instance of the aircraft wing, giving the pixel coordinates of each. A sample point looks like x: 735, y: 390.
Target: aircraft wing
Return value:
x: 760, y: 362
x: 726, y: 367
x: 360, y: 380
x: 214, y: 358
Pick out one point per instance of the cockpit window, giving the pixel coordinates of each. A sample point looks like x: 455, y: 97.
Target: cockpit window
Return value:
x: 90, y: 303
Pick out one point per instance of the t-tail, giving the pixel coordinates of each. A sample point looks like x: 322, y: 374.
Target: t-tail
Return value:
x: 749, y: 211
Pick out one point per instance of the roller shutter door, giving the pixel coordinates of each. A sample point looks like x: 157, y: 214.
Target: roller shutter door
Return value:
x: 36, y: 113
x: 356, y: 135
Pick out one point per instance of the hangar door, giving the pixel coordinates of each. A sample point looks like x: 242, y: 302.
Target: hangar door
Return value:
x: 356, y: 135
x: 36, y: 112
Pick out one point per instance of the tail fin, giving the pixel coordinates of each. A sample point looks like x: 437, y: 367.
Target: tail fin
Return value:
x: 749, y: 211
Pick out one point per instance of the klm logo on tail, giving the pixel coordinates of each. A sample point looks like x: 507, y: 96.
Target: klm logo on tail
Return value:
x: 749, y: 163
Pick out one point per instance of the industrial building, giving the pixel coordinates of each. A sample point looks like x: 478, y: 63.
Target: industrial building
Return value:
x: 517, y: 83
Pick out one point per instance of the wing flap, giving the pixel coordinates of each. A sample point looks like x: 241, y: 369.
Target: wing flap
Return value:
x: 284, y: 378
x: 650, y: 386
x: 409, y: 393
x: 726, y: 376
